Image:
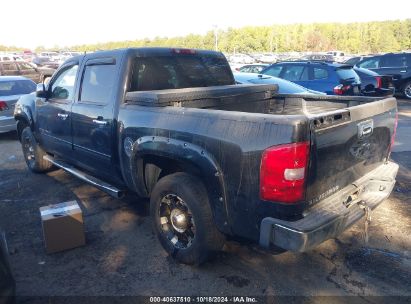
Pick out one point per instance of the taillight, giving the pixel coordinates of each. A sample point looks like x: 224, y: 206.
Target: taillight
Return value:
x: 394, y: 133
x: 283, y: 172
x: 341, y: 89
x: 379, y: 82
x: 3, y: 106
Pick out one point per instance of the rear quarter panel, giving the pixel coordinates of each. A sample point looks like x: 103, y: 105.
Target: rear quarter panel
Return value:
x: 232, y: 140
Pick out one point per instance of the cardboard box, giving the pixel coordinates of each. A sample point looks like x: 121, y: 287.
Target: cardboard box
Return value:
x: 62, y: 226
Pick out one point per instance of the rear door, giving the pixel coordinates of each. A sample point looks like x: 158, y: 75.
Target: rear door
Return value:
x: 394, y: 65
x: 348, y: 144
x: 93, y: 121
x: 320, y: 79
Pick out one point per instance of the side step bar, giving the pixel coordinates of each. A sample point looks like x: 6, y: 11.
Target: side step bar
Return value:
x: 103, y: 186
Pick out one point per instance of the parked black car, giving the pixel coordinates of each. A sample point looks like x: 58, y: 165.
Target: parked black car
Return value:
x: 330, y: 78
x: 22, y: 68
x: 398, y: 65
x: 7, y: 283
x: 373, y: 84
x: 355, y: 60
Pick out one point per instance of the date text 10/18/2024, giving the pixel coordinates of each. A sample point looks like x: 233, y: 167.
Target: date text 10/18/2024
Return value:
x: 239, y: 299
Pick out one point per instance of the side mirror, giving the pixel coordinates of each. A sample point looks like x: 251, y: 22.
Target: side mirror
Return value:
x: 41, y: 91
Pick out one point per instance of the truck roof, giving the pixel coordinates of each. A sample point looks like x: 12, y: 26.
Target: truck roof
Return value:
x: 145, y: 51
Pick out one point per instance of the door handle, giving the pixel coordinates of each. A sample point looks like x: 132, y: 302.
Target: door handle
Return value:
x: 62, y: 116
x: 100, y: 122
x: 404, y: 71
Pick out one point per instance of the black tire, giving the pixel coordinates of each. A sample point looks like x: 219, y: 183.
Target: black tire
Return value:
x: 33, y: 153
x: 406, y: 90
x: 203, y: 238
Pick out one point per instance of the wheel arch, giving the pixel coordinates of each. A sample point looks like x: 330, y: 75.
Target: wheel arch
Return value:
x: 154, y: 157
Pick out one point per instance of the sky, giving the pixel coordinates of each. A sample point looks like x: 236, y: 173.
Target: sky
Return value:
x: 61, y: 23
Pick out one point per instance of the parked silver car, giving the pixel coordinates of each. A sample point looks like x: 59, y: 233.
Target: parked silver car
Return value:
x: 11, y: 88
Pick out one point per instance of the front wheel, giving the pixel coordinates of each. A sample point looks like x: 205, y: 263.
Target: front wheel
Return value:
x: 407, y: 90
x: 183, y: 220
x: 33, y: 153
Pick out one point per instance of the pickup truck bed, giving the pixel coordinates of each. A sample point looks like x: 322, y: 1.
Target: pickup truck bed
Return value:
x: 217, y: 158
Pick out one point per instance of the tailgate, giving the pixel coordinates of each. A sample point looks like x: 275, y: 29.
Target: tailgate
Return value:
x: 347, y: 144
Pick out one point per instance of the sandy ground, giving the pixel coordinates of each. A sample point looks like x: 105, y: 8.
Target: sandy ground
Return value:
x: 123, y: 257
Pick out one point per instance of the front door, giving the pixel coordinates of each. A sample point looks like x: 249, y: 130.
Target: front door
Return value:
x: 93, y: 121
x: 53, y: 113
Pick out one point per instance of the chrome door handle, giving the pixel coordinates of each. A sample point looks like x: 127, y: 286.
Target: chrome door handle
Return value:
x: 403, y: 71
x: 100, y: 122
x: 62, y: 116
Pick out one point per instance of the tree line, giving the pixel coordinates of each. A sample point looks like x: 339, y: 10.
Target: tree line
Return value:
x: 358, y: 37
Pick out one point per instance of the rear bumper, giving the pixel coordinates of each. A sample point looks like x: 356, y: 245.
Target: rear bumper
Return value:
x: 330, y: 217
x: 380, y: 92
x: 7, y: 124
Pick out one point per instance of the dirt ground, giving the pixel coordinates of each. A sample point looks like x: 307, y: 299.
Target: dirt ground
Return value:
x: 123, y: 257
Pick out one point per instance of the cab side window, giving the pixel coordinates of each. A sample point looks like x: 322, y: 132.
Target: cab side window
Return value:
x: 63, y: 86
x: 320, y: 73
x: 98, y: 83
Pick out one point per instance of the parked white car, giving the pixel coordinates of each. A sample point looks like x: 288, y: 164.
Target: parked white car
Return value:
x: 268, y: 58
x: 241, y: 58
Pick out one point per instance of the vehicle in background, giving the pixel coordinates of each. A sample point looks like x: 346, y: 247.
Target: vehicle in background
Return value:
x: 10, y: 57
x: 7, y: 283
x: 354, y: 60
x: 22, y: 68
x: 338, y: 56
x: 252, y: 68
x: 397, y: 65
x: 44, y: 61
x: 284, y: 86
x: 330, y: 78
x: 318, y: 57
x: 53, y: 56
x: 68, y: 54
x: 267, y: 58
x: 373, y: 84
x: 11, y: 89
x: 241, y: 58
x: 215, y: 158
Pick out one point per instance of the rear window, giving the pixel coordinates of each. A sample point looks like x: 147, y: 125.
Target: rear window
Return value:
x: 320, y: 73
x: 17, y: 87
x: 179, y: 71
x: 347, y: 73
x: 284, y: 86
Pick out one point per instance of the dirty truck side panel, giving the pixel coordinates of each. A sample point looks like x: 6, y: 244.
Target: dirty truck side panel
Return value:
x: 224, y: 147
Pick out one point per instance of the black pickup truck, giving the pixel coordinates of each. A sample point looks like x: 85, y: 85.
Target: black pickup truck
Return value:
x: 216, y: 159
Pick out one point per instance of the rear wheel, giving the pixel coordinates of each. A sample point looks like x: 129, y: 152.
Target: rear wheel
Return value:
x: 33, y: 153
x: 183, y: 219
x: 407, y: 90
